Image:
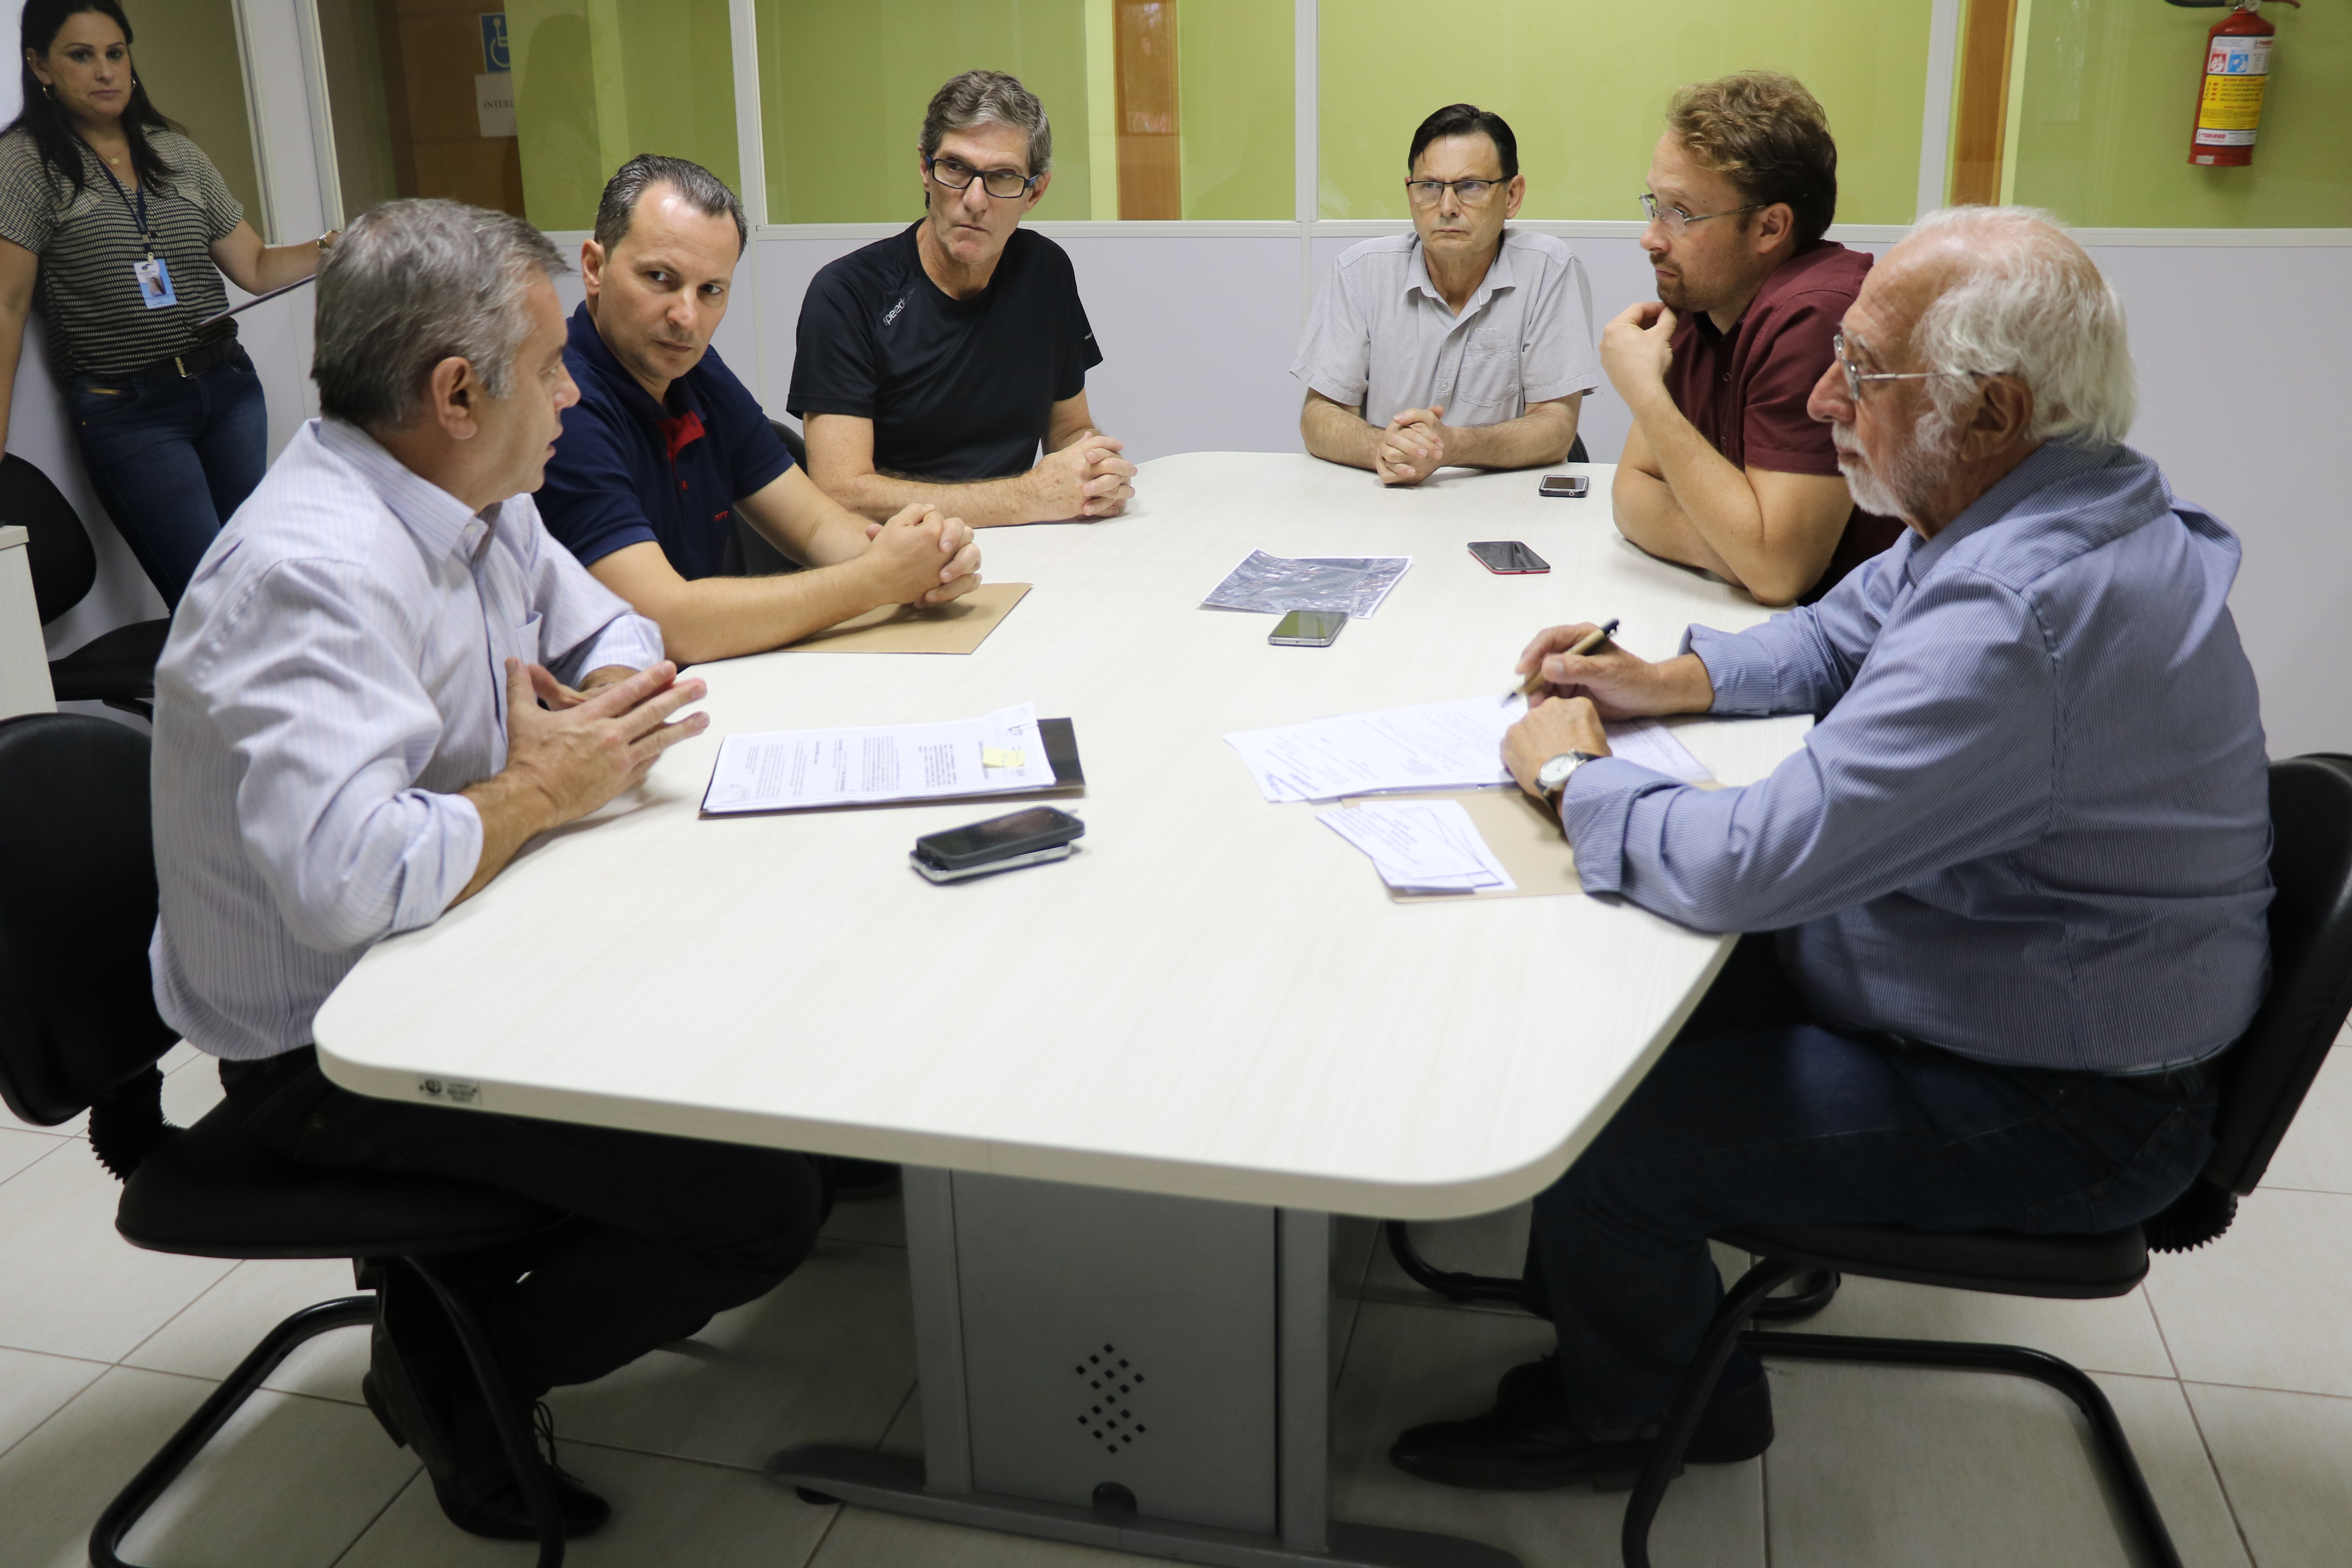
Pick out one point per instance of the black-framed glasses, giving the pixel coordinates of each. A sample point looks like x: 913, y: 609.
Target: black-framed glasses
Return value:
x: 1469, y: 193
x: 1854, y: 376
x: 1676, y: 220
x: 955, y: 174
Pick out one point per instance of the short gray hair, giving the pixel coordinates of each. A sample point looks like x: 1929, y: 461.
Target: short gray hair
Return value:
x: 412, y: 283
x: 989, y: 98
x: 696, y: 186
x: 2030, y: 302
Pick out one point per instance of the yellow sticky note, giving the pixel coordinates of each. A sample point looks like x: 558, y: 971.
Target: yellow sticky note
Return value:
x: 1003, y: 757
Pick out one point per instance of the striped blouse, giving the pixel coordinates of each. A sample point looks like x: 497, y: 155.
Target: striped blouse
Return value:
x: 99, y: 324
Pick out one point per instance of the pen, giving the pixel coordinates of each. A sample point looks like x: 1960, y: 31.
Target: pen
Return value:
x: 1585, y: 645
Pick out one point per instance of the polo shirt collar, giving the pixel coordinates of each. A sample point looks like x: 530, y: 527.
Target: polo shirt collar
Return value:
x: 589, y: 344
x: 2050, y: 463
x: 1498, y: 277
x: 440, y: 521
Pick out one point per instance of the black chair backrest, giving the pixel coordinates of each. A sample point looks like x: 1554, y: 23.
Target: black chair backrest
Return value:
x: 64, y: 563
x: 77, y: 907
x: 792, y: 442
x: 1576, y: 453
x: 2270, y: 1070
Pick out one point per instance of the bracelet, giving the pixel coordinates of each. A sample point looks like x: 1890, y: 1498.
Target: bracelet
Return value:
x: 326, y: 242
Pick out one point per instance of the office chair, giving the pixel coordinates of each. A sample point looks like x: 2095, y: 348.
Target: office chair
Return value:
x: 749, y: 553
x: 78, y: 1029
x: 116, y: 668
x: 2263, y: 1077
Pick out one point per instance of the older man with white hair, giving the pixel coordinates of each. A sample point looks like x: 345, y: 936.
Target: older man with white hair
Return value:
x: 2009, y: 896
x: 384, y: 678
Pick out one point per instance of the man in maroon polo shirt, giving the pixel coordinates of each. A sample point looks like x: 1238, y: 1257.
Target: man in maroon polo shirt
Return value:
x: 1724, y: 469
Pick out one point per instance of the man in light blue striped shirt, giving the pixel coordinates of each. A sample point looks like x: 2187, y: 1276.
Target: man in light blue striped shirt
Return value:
x: 2014, y: 885
x: 384, y: 678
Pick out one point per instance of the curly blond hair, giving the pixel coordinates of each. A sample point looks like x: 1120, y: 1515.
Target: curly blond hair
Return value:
x: 1766, y: 134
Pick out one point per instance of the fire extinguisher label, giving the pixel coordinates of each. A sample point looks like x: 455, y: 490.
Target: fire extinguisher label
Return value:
x: 2237, y: 70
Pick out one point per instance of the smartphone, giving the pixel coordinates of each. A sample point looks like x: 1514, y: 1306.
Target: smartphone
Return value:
x: 1573, y: 486
x: 1307, y: 628
x: 1509, y: 557
x: 1000, y: 843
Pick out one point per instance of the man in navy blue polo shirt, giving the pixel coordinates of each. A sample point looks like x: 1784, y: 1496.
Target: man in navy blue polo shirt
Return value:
x: 666, y: 444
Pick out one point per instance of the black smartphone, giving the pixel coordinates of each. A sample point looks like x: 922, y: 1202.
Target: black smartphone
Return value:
x: 1573, y: 486
x: 1509, y: 557
x: 1307, y: 628
x: 1023, y: 838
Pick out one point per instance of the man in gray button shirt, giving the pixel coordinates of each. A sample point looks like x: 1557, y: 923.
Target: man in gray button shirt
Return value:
x: 1461, y: 316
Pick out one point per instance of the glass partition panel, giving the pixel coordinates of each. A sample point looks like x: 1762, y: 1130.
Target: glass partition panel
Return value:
x: 2109, y: 97
x: 187, y: 55
x: 1161, y: 109
x: 1584, y: 85
x: 527, y: 110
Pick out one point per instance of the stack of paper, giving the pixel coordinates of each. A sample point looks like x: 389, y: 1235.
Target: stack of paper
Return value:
x: 786, y: 770
x: 1433, y: 746
x: 1421, y: 847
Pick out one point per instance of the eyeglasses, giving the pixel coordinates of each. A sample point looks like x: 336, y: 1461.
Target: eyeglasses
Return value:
x: 1676, y: 220
x: 1470, y: 192
x: 955, y: 174
x: 1854, y: 378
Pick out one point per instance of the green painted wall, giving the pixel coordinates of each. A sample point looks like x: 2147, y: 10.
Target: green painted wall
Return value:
x: 186, y: 53
x: 597, y: 81
x: 1235, y: 75
x: 1584, y: 84
x: 2110, y: 90
x: 843, y: 89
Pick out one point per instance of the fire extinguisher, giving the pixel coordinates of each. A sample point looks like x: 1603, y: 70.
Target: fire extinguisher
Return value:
x: 2230, y: 96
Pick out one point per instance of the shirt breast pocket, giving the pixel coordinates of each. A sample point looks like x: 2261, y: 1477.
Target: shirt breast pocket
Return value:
x: 526, y: 640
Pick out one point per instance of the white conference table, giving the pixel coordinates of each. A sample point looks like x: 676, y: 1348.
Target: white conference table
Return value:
x: 1129, y: 1087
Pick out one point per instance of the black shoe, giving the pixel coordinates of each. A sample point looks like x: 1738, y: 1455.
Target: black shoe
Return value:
x: 436, y: 1409
x: 1526, y: 1443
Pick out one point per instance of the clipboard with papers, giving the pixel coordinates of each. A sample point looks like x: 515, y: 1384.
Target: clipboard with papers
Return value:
x: 1005, y: 755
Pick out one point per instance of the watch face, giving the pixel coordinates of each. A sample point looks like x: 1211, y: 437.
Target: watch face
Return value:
x: 1554, y: 773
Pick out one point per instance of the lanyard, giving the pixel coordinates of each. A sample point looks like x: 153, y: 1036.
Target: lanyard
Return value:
x: 138, y: 208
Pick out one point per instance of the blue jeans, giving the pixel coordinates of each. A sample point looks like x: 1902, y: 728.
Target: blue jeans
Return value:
x: 1757, y: 1114
x: 172, y: 457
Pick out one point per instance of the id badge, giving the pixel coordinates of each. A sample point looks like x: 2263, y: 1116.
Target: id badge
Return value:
x: 154, y: 276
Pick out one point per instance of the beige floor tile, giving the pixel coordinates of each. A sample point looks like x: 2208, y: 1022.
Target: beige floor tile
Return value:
x: 220, y: 1326
x: 190, y: 1087
x: 1411, y: 1364
x: 863, y: 1538
x: 879, y: 1221
x: 666, y: 1513
x: 1949, y: 1469
x: 2282, y: 1459
x: 20, y: 1149
x: 35, y: 1387
x: 2114, y: 1335
x: 906, y: 1432
x: 69, y: 1285
x: 2316, y: 1154
x: 69, y: 1128
x: 2263, y: 1307
x: 288, y: 1483
x: 826, y: 1357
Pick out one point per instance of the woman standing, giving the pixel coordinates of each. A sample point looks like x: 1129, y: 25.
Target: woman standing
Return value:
x: 123, y: 228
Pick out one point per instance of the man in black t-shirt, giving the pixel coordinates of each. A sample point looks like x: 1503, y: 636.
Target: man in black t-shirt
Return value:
x: 933, y: 364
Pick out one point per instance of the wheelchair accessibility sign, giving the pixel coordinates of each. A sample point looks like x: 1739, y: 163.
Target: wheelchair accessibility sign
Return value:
x: 494, y: 41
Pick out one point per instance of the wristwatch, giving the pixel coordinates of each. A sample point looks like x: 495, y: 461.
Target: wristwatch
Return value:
x: 1551, y: 779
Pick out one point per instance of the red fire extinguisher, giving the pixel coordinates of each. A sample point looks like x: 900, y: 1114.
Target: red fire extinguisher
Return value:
x: 2230, y: 98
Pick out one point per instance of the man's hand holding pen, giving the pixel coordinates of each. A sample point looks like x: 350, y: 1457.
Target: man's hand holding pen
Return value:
x: 1576, y: 677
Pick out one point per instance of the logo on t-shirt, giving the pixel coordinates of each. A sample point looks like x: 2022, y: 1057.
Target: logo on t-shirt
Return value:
x: 891, y: 314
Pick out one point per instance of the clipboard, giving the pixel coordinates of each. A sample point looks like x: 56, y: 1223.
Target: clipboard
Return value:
x: 1061, y: 739
x: 960, y: 625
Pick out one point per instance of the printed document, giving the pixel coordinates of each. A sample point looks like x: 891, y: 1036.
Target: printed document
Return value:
x: 786, y: 770
x: 1421, y: 847
x: 1432, y: 746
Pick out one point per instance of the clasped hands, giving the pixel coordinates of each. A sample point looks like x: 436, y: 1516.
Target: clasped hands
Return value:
x: 1085, y: 478
x: 1412, y: 446
x: 907, y: 551
x: 1575, y: 693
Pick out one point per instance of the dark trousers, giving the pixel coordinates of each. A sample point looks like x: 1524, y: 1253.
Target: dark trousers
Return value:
x: 1759, y: 1114
x: 663, y: 1231
x: 171, y: 457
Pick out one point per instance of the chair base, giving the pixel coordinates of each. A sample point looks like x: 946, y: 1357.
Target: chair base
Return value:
x: 124, y: 1514
x: 2115, y: 1457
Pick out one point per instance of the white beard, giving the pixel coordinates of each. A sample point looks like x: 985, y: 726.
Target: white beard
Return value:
x: 1908, y: 477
